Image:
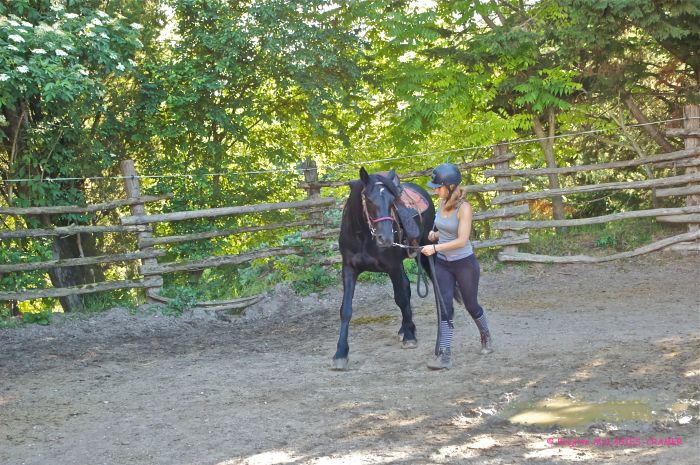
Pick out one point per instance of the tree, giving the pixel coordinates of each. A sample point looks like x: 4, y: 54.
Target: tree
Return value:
x: 56, y: 65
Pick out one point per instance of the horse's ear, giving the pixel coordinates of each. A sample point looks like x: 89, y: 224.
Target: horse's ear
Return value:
x: 364, y: 176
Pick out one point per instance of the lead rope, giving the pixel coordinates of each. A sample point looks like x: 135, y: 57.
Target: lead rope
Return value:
x: 419, y: 274
x: 439, y: 301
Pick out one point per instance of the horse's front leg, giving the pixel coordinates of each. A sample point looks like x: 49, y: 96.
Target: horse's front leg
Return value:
x: 340, y: 359
x: 402, y: 297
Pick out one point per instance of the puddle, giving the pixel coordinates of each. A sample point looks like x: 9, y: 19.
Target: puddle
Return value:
x: 569, y: 413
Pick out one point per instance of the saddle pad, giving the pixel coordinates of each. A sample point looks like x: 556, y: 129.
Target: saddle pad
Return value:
x: 412, y: 199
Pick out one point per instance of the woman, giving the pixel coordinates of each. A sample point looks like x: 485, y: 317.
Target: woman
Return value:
x: 455, y: 262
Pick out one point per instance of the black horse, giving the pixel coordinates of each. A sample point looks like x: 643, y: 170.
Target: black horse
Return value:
x: 367, y: 236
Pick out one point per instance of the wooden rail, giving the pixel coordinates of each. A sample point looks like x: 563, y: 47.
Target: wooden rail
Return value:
x: 113, y: 205
x: 78, y: 290
x: 664, y: 157
x: 69, y: 231
x: 663, y: 182
x: 525, y: 257
x: 657, y: 212
x: 212, y: 262
x: 225, y: 211
x: 124, y: 257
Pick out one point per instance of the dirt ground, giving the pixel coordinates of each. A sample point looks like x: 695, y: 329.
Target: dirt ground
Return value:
x: 620, y: 338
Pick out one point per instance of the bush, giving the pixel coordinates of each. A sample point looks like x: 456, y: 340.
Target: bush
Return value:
x: 314, y: 279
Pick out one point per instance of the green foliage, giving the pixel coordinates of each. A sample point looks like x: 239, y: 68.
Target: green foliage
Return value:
x: 59, y: 61
x: 231, y: 96
x: 181, y: 299
x: 8, y: 322
x: 102, y: 301
x: 15, y: 251
x: 606, y: 239
x: 546, y: 89
x: 314, y: 279
x: 40, y: 318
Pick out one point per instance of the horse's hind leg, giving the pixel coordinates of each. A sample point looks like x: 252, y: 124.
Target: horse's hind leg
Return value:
x: 402, y: 297
x: 340, y: 359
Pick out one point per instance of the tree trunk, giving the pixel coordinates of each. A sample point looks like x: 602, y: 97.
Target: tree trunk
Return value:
x: 650, y: 129
x: 74, y: 246
x: 637, y: 148
x: 65, y: 277
x: 547, y: 144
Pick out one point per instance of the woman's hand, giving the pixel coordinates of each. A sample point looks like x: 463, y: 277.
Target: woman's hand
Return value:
x: 433, y: 236
x: 428, y: 250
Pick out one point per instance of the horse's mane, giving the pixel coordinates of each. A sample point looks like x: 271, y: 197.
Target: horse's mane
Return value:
x: 353, y: 215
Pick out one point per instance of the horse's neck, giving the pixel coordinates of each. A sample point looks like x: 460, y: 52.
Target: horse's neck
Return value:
x: 354, y: 217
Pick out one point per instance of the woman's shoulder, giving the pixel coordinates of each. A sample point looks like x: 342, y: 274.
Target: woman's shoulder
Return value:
x: 464, y: 208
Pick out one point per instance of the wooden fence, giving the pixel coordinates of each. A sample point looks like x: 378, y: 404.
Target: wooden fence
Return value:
x: 503, y: 210
x: 139, y: 223
x: 509, y: 201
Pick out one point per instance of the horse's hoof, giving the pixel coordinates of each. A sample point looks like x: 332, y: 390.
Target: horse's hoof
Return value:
x: 400, y: 336
x: 412, y: 344
x: 340, y: 364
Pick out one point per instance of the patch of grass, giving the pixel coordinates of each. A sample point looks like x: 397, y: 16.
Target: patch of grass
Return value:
x: 103, y: 301
x: 368, y: 320
x: 9, y: 322
x: 488, y: 259
x: 374, y: 278
x: 603, y: 239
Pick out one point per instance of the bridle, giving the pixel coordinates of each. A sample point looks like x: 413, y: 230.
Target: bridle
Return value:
x: 373, y: 221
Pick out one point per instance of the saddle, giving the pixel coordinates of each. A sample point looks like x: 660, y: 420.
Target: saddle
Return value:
x: 409, y: 205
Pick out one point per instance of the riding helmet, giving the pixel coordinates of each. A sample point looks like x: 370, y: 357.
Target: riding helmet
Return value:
x: 445, y: 174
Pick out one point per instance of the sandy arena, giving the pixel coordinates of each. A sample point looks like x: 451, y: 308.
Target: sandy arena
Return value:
x: 612, y: 349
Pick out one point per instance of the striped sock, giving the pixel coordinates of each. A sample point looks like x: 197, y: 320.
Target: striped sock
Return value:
x: 446, y: 333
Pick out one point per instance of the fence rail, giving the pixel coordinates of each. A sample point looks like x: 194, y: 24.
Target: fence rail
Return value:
x: 501, y: 203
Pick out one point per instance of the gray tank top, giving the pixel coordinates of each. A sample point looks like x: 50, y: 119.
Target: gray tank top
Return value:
x: 448, y: 232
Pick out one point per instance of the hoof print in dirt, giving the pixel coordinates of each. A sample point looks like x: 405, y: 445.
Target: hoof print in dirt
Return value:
x: 340, y: 364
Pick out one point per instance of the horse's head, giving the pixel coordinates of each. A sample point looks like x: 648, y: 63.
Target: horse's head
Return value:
x: 378, y: 194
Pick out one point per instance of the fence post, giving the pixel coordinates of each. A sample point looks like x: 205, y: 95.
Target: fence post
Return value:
x: 692, y: 123
x: 132, y: 185
x: 313, y: 192
x: 499, y: 150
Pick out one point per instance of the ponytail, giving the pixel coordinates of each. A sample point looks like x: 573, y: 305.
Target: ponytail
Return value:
x: 456, y: 198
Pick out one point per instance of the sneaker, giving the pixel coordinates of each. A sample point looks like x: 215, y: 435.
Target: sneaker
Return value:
x: 486, y: 344
x: 443, y: 361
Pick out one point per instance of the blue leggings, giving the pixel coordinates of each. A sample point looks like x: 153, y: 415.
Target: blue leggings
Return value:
x: 465, y: 274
